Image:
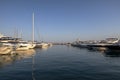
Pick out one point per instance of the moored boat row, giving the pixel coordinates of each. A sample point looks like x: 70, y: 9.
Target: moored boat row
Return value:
x: 10, y: 45
x: 110, y: 45
x: 8, y: 48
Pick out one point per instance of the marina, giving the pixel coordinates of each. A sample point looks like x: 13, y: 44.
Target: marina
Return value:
x: 9, y: 45
x: 59, y: 40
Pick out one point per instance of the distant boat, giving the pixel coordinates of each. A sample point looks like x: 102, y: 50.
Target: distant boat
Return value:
x: 108, y: 44
x: 42, y: 45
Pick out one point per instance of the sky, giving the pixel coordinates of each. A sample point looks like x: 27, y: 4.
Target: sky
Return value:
x: 61, y: 20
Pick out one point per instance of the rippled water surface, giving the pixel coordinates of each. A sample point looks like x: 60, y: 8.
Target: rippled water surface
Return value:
x: 60, y: 63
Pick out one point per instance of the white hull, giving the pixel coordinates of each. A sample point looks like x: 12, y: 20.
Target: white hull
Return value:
x: 4, y: 50
x: 31, y: 46
x: 24, y: 46
x: 42, y: 45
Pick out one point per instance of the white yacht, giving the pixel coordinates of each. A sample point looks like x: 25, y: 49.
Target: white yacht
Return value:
x: 24, y: 45
x: 5, y: 50
x: 42, y: 45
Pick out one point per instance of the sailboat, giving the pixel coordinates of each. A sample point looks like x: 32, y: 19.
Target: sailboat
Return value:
x: 33, y: 43
x: 23, y: 45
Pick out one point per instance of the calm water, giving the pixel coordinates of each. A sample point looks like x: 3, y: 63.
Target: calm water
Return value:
x: 60, y: 63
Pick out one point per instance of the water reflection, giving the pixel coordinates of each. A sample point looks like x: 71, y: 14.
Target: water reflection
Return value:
x: 108, y: 53
x: 25, y: 54
x: 33, y: 67
x: 6, y: 59
x: 104, y: 51
x: 44, y: 49
x: 112, y: 54
x: 18, y: 55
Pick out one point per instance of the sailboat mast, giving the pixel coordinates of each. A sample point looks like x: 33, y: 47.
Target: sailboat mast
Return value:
x: 33, y: 29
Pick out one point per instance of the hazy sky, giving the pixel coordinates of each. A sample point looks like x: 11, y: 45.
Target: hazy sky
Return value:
x: 61, y: 20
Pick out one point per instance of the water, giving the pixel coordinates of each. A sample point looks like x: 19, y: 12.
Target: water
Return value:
x: 60, y: 63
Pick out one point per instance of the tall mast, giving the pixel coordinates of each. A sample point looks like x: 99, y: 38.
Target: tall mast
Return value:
x: 33, y: 29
